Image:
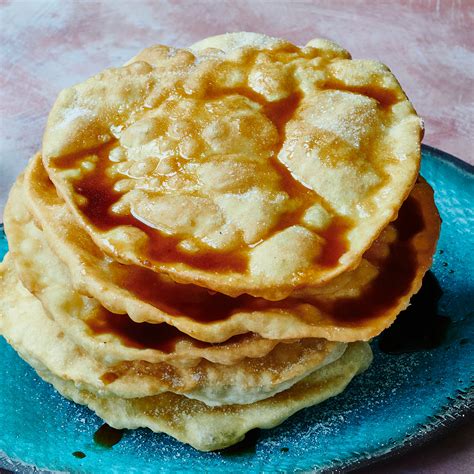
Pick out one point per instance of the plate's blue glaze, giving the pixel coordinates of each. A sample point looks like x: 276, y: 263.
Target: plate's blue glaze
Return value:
x: 399, y: 399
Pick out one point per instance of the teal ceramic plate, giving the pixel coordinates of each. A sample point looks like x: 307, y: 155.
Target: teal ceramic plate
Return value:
x: 403, y: 397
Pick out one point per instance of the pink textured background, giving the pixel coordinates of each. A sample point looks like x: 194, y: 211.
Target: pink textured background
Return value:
x: 429, y: 45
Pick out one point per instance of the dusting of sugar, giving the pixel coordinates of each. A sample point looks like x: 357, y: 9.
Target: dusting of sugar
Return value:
x: 73, y: 113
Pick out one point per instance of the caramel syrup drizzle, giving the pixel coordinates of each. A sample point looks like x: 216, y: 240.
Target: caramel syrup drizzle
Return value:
x: 396, y: 273
x: 97, y: 188
x: 162, y: 337
x: 390, y: 285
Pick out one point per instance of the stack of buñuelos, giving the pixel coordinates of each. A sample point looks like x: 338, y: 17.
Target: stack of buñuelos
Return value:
x: 210, y: 236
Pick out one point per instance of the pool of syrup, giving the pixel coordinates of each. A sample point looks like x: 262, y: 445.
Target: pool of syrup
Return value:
x: 106, y: 436
x: 420, y: 326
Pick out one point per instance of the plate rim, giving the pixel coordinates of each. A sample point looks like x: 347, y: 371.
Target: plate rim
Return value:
x: 456, y: 413
x: 454, y: 160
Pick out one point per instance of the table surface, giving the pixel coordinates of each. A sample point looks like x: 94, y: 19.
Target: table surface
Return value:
x: 429, y: 45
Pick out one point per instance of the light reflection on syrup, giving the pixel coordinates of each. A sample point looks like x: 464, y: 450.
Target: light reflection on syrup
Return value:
x: 98, y: 188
